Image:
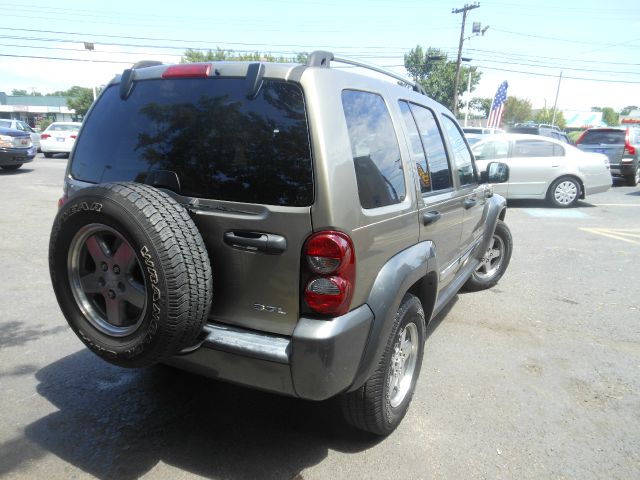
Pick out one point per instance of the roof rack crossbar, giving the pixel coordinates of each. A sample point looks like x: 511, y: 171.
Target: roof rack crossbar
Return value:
x: 321, y: 58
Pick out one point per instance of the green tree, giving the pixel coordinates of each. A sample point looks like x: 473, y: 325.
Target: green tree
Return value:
x: 516, y: 110
x: 481, y: 105
x: 79, y: 99
x: 190, y: 55
x: 627, y: 110
x: 436, y: 74
x: 545, y: 115
x: 23, y: 93
x: 609, y: 115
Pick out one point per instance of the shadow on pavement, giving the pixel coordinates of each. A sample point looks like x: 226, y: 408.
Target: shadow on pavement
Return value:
x: 119, y: 423
x: 20, y: 171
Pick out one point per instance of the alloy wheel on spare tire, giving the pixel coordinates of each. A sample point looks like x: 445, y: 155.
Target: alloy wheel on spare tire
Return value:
x: 130, y: 272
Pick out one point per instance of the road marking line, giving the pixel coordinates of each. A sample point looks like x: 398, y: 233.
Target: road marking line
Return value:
x: 616, y: 234
x: 617, y: 204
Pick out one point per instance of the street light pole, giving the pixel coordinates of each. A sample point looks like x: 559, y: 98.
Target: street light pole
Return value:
x: 466, y: 113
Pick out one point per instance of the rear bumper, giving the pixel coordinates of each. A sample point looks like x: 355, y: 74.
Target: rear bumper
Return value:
x: 58, y: 147
x: 624, y: 169
x: 318, y: 361
x: 16, y: 156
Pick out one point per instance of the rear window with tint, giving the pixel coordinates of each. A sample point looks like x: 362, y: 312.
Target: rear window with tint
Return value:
x: 221, y: 144
x: 597, y: 137
x: 62, y: 127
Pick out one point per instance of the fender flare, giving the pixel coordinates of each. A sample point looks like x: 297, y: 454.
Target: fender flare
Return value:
x: 495, y: 210
x: 394, y: 279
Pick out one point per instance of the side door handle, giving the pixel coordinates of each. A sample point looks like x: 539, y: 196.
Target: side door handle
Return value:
x: 470, y: 202
x: 256, y: 241
x: 430, y: 217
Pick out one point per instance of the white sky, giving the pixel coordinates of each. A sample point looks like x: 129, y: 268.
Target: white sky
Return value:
x: 527, y: 43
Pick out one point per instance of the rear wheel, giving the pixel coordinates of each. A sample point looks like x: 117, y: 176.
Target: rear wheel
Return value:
x: 11, y: 167
x: 381, y: 403
x: 564, y: 192
x: 633, y: 180
x: 48, y: 154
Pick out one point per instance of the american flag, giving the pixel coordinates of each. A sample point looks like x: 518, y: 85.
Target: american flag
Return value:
x: 497, y: 107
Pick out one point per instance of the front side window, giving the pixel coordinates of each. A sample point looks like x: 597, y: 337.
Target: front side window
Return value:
x: 374, y: 146
x: 536, y: 148
x: 437, y: 161
x: 461, y: 153
x: 221, y: 144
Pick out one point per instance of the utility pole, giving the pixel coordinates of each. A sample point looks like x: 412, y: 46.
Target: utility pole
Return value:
x: 464, y: 11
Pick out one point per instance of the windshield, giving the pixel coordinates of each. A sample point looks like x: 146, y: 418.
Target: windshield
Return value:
x: 220, y: 144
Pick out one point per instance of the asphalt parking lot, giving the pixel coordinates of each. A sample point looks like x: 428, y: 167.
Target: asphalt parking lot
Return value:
x: 536, y: 378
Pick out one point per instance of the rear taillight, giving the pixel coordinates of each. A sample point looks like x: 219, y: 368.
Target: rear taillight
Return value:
x: 627, y: 143
x: 73, y: 136
x: 188, y: 70
x: 44, y: 136
x: 329, y: 272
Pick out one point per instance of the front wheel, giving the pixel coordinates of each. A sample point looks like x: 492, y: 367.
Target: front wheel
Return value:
x: 564, y: 192
x: 494, y: 262
x: 633, y: 180
x: 11, y: 168
x: 381, y: 403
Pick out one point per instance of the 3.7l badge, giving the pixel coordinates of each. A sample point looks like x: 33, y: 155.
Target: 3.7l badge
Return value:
x: 269, y: 308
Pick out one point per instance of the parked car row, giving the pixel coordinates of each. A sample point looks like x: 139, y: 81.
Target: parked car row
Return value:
x: 544, y: 168
x: 545, y: 165
x: 19, y: 143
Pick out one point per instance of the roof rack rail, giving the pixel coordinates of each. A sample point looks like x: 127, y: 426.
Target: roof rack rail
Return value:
x: 320, y: 58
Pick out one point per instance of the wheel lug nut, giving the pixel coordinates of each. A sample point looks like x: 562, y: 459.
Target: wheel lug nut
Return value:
x: 104, y: 267
x: 116, y: 269
x: 111, y: 294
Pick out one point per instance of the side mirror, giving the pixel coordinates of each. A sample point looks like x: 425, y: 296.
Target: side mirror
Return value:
x: 496, y: 172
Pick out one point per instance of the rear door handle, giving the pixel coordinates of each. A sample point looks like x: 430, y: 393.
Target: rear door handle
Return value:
x: 430, y: 217
x: 256, y: 241
x: 470, y: 202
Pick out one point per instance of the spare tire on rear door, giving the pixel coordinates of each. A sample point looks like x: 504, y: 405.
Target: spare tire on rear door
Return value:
x: 131, y: 273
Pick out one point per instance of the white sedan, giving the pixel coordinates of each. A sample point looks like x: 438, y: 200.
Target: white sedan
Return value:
x: 59, y: 137
x: 544, y: 168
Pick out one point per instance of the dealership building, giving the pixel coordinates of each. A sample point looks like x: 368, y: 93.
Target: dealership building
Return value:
x: 33, y: 109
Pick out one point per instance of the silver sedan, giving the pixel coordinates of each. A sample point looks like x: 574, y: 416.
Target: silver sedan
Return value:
x: 544, y: 168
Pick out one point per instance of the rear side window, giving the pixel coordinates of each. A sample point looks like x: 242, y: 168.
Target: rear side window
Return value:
x: 431, y: 137
x: 492, y: 150
x: 606, y: 137
x: 375, y: 150
x: 221, y: 144
x: 537, y: 148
